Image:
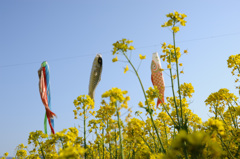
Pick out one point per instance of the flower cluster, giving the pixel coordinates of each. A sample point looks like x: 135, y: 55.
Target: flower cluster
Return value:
x: 174, y: 19
x: 170, y: 53
x: 186, y: 90
x: 218, y: 101
x: 215, y: 125
x: 234, y: 63
x: 115, y: 95
x: 122, y: 46
x: 195, y: 144
x: 83, y: 104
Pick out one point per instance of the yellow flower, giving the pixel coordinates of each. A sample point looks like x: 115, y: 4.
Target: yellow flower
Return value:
x: 170, y: 46
x: 180, y: 64
x: 181, y: 72
x: 142, y: 57
x: 175, y: 29
x: 131, y: 48
x: 183, y: 15
x: 164, y: 25
x: 164, y: 44
x: 115, y: 59
x: 129, y: 41
x: 175, y: 18
x: 169, y: 23
x: 174, y: 76
x: 185, y: 51
x: 169, y: 15
x: 140, y: 104
x: 183, y: 23
x: 237, y: 110
x: 187, y: 89
x: 169, y: 66
x: 126, y: 69
x: 6, y: 154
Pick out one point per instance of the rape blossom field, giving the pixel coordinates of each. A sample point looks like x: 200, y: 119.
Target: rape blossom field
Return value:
x: 167, y: 131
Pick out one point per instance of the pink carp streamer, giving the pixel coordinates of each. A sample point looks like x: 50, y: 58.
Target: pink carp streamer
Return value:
x: 157, y: 76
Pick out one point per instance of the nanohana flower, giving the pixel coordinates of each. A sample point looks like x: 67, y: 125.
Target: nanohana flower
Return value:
x: 115, y: 59
x: 140, y: 104
x: 6, y: 154
x: 142, y: 57
x: 175, y: 29
x: 174, y: 76
x: 126, y: 69
x: 175, y: 18
x: 131, y: 48
x: 186, y: 89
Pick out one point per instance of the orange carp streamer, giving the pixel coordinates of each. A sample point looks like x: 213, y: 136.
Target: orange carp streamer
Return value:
x: 157, y: 76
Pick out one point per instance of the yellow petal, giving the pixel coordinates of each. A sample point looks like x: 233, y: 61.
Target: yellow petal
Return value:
x: 115, y: 59
x: 142, y: 57
x: 175, y: 29
x: 126, y: 69
x: 131, y: 48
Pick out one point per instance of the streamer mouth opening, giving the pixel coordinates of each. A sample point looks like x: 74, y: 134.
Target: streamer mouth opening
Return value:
x: 39, y: 72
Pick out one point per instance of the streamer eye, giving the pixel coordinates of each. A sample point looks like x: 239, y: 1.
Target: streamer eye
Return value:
x: 154, y: 66
x: 100, y: 60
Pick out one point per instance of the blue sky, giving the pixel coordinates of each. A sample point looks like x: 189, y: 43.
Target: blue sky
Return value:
x: 68, y: 34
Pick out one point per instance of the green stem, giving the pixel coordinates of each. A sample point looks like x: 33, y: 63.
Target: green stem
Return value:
x: 129, y: 153
x: 146, y: 101
x: 146, y: 144
x: 116, y: 143
x: 165, y: 132
x: 225, y: 122
x: 84, y: 120
x: 178, y: 79
x: 185, y: 151
x: 233, y: 119
x: 215, y: 107
x: 225, y: 146
x: 61, y: 142
x: 164, y: 151
x: 110, y: 149
x: 103, y: 142
x: 234, y: 102
x: 174, y: 97
x: 151, y: 135
x: 138, y: 78
x: 99, y: 154
x: 237, y: 151
x: 131, y: 145
x: 120, y: 132
x: 133, y: 155
x: 41, y: 150
x: 237, y: 67
x: 174, y: 123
